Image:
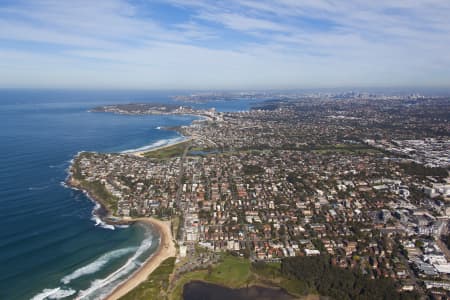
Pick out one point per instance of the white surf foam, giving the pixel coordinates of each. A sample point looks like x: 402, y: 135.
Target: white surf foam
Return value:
x: 57, y: 293
x: 100, y: 223
x: 71, y: 161
x: 64, y: 184
x: 97, y: 206
x: 131, y: 263
x: 160, y: 143
x: 61, y: 294
x: 45, y: 294
x: 95, y: 218
x: 122, y: 226
x: 96, y: 265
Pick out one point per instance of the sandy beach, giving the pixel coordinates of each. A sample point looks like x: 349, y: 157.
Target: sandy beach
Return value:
x: 141, y: 153
x: 165, y: 250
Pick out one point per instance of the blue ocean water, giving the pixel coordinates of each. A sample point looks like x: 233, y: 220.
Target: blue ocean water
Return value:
x: 50, y: 246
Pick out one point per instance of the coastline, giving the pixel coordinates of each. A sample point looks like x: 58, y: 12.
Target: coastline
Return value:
x: 166, y: 249
x: 140, y: 153
x: 100, y: 209
x: 201, y: 115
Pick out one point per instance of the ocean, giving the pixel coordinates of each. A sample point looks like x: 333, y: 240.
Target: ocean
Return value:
x: 51, y: 246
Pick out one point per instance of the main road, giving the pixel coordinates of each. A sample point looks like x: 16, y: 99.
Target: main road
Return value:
x: 181, y: 208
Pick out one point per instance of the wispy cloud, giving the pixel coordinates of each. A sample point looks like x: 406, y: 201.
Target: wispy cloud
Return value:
x: 218, y: 44
x: 242, y: 23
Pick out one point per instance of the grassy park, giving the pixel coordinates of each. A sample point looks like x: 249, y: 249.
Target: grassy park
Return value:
x: 167, y: 152
x: 156, y: 285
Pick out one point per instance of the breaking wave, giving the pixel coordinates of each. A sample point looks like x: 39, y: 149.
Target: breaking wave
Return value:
x: 57, y: 293
x: 160, y: 143
x: 96, y: 265
x: 99, y: 288
x: 122, y: 226
x: 98, y: 221
x: 131, y: 264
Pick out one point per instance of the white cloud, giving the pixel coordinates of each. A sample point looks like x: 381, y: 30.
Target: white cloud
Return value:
x: 240, y: 22
x: 232, y: 44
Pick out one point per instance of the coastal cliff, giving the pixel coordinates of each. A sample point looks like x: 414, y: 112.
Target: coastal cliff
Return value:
x: 107, y: 204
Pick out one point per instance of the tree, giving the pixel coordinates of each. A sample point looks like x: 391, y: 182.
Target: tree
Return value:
x: 319, y: 274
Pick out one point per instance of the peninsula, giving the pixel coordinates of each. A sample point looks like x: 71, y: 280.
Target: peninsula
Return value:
x: 153, y: 109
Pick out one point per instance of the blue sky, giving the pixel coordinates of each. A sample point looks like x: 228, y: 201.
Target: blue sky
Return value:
x: 247, y: 44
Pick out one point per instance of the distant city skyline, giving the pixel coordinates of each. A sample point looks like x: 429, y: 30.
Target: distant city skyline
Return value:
x: 200, y: 44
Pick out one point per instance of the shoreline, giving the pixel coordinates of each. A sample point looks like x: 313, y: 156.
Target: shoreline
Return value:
x: 195, y: 114
x: 140, y: 153
x: 166, y: 249
x: 101, y: 211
